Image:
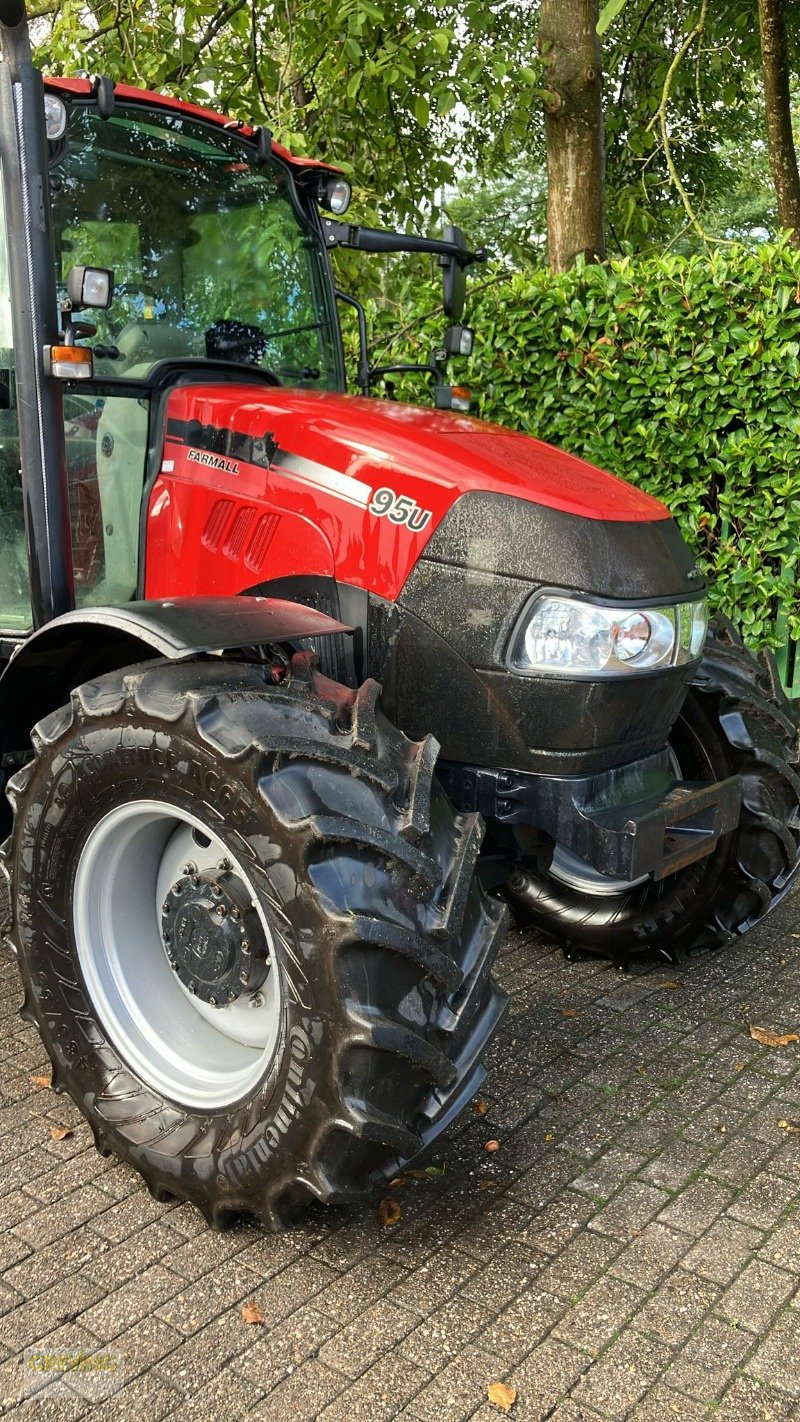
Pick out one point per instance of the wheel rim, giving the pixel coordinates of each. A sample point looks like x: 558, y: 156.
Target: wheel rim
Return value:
x: 184, y: 1048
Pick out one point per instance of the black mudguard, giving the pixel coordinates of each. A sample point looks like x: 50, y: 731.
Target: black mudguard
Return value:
x: 91, y: 641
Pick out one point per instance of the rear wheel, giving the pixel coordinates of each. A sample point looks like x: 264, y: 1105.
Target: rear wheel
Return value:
x: 249, y: 932
x: 735, y: 720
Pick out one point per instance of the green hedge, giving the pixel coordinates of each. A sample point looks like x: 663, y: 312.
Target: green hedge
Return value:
x: 679, y: 374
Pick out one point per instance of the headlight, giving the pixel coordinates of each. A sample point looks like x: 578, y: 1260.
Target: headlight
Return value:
x: 567, y: 637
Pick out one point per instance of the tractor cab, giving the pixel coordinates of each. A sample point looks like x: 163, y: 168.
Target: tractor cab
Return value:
x: 187, y: 248
x: 214, y: 259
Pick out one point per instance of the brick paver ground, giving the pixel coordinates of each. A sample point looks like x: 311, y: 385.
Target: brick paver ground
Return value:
x: 631, y: 1250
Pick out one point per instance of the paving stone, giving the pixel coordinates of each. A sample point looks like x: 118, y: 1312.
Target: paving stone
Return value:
x: 709, y: 1361
x: 458, y: 1389
x: 630, y: 1210
x: 544, y: 1378
x: 755, y: 1297
x: 301, y: 1396
x: 276, y: 1353
x: 379, y: 1393
x: 602, y: 1312
x: 677, y: 1307
x: 622, y: 1375
x: 578, y: 1264
x: 205, y: 1299
x: 350, y: 1293
x: 432, y: 1343
x: 651, y: 1256
x: 782, y: 1247
x: 672, y: 1169
x: 722, y: 1252
x: 750, y: 1400
x: 697, y: 1207
x: 606, y: 1174
x: 768, y: 1198
x: 776, y: 1359
x: 602, y: 1277
x: 361, y: 1342
x: 521, y: 1325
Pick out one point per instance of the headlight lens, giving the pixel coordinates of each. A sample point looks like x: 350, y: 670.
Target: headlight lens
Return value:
x: 568, y: 637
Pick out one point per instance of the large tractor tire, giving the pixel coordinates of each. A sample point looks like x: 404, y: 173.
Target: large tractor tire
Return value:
x: 735, y: 720
x: 249, y: 932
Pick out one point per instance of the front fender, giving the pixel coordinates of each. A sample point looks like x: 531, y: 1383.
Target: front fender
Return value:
x: 93, y: 640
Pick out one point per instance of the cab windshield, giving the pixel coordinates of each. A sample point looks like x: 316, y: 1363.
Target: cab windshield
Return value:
x: 209, y: 255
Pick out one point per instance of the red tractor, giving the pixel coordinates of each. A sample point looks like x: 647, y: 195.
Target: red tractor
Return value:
x: 247, y: 916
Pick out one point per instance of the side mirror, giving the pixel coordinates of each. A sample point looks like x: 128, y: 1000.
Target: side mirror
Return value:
x: 454, y: 275
x: 90, y: 286
x: 459, y: 340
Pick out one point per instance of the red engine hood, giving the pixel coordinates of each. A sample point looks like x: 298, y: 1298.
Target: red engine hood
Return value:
x: 369, y: 479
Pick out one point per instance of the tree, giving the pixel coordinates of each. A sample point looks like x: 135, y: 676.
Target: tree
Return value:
x: 573, y: 131
x: 778, y: 112
x: 403, y: 94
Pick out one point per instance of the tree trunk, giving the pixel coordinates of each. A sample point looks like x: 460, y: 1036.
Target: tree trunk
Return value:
x: 777, y: 107
x: 573, y: 131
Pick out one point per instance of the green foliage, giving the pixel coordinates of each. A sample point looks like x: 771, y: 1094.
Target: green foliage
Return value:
x: 403, y: 96
x: 680, y: 374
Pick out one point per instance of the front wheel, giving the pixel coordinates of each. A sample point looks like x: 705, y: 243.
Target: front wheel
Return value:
x: 735, y: 720
x: 249, y: 932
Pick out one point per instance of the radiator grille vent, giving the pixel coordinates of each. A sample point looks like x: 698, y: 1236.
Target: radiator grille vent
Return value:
x: 239, y: 529
x: 263, y: 534
x: 211, y: 537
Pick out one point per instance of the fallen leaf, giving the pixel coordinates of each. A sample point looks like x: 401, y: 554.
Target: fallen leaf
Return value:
x: 768, y: 1038
x: 435, y: 1170
x: 398, y: 1183
x: 42, y: 1082
x: 549, y: 1136
x: 740, y: 1066
x: 569, y: 1012
x: 389, y: 1213
x: 492, y: 1146
x: 796, y: 935
x: 251, y: 1313
x: 479, y: 1106
x: 415, y: 1174
x: 501, y: 1395
x: 487, y: 1184
x: 791, y: 1126
x: 60, y: 1133
x: 671, y: 983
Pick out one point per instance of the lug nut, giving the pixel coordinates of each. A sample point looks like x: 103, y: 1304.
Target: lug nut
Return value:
x: 257, y: 1000
x: 231, y: 997
x: 189, y: 869
x: 243, y: 976
x: 212, y: 1002
x: 220, y: 911
x: 236, y: 914
x: 167, y: 907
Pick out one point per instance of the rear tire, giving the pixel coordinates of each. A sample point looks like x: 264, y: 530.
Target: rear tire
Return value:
x: 353, y: 875
x: 735, y: 720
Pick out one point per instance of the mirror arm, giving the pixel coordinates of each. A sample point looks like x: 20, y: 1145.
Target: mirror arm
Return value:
x: 372, y: 239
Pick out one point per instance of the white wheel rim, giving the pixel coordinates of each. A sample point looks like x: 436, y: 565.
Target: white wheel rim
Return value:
x: 185, y: 1049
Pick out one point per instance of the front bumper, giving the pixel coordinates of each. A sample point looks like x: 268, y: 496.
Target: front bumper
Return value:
x: 626, y: 822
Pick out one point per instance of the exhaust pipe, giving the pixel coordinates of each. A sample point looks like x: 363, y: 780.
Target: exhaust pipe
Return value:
x: 34, y: 313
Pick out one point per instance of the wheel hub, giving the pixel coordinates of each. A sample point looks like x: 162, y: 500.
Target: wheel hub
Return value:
x: 214, y: 938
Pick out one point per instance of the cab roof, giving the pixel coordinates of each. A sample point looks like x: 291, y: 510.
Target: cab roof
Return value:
x: 127, y: 93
